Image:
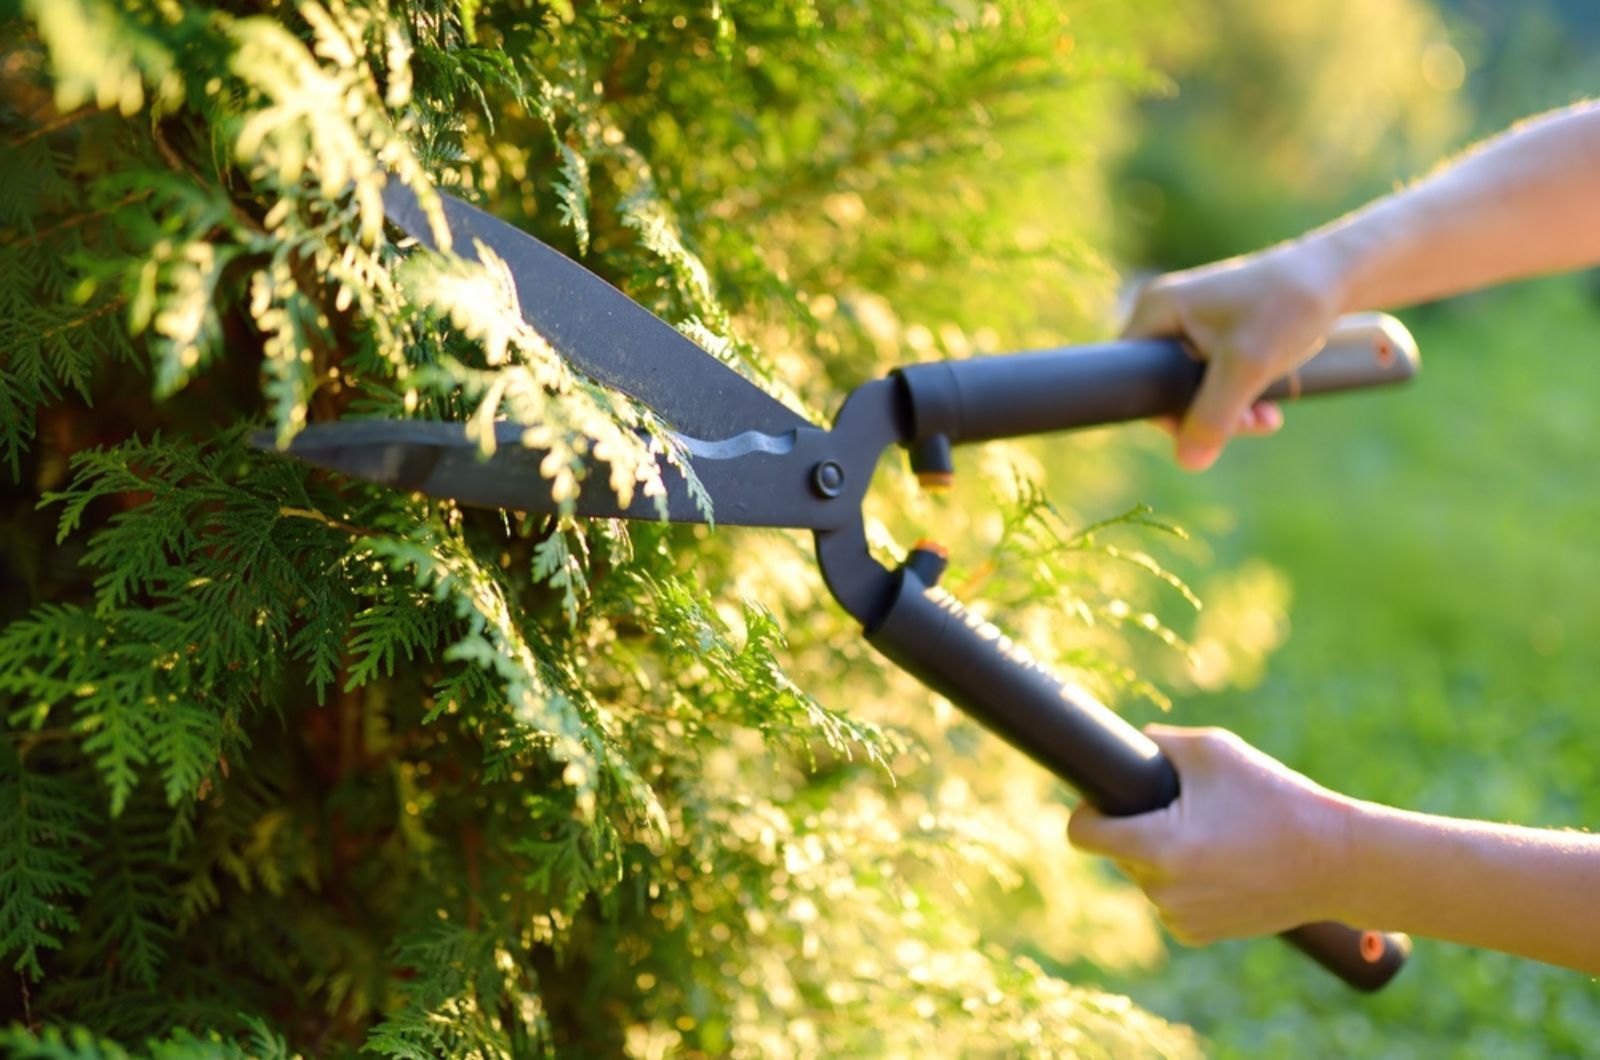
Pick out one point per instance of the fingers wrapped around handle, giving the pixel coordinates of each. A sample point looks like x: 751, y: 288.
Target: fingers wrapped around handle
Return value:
x: 1017, y: 394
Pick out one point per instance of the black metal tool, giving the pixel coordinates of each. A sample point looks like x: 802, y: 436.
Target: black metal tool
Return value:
x: 764, y: 465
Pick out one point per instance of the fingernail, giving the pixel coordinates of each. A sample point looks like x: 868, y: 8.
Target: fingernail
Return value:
x: 1195, y: 457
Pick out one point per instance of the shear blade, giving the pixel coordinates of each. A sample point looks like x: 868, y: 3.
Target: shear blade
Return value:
x: 752, y: 479
x: 601, y: 331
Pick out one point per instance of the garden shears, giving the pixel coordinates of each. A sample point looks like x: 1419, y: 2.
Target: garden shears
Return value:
x: 762, y: 464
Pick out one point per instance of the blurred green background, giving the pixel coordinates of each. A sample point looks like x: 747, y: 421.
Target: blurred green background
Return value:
x: 1437, y: 544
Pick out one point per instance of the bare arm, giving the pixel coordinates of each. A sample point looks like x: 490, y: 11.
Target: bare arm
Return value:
x: 1523, y: 203
x: 1251, y: 847
x: 1526, y: 891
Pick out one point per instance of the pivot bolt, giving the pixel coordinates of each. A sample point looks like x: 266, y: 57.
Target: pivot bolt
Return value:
x: 827, y: 478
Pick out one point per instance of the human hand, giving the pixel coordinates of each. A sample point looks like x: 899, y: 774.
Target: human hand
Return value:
x: 1249, y: 847
x: 1254, y: 319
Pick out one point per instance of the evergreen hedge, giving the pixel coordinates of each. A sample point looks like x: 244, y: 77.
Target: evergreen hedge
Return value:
x: 294, y: 764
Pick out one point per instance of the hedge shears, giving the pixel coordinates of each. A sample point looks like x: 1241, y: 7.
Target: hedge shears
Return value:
x: 762, y: 464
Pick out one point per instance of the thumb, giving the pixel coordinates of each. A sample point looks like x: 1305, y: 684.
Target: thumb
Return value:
x: 1170, y: 738
x: 1154, y: 316
x: 1194, y: 751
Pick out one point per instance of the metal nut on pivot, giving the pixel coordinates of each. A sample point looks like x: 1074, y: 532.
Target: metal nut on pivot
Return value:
x: 827, y: 478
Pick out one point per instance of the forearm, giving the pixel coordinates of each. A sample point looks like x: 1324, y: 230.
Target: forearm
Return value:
x: 1532, y: 892
x: 1522, y: 204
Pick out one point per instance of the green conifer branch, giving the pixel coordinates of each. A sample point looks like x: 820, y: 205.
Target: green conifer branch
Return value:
x: 45, y: 830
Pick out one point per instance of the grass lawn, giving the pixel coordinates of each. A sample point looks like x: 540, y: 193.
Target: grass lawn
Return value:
x: 1442, y: 547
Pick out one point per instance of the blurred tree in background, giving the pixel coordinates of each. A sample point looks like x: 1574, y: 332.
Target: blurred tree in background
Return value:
x: 1288, y: 114
x: 297, y: 764
x: 1524, y: 58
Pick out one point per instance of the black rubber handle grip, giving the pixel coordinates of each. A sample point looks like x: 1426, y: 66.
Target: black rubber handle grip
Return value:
x: 1081, y: 386
x: 1114, y: 766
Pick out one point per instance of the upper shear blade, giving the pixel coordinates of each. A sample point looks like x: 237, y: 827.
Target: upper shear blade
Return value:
x: 602, y: 331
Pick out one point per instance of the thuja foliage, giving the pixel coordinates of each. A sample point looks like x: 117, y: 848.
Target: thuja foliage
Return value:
x: 298, y: 765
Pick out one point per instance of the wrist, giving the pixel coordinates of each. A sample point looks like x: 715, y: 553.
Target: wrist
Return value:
x: 1345, y: 888
x: 1325, y: 823
x: 1353, y: 254
x: 1334, y: 260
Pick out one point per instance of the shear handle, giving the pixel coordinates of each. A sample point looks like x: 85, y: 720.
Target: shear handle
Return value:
x: 1016, y: 394
x: 1113, y: 765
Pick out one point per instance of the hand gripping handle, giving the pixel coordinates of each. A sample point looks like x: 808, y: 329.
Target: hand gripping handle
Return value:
x: 1016, y: 394
x: 1113, y: 765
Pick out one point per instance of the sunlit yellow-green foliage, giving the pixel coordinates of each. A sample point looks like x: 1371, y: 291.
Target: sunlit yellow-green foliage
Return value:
x: 306, y: 765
